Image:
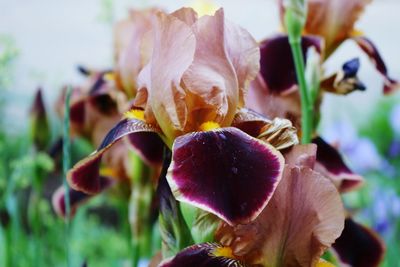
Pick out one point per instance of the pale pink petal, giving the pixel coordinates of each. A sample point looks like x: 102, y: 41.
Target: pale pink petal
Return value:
x: 187, y: 15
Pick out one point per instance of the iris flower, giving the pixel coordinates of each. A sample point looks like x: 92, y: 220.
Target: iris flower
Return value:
x: 225, y: 159
x: 302, y: 219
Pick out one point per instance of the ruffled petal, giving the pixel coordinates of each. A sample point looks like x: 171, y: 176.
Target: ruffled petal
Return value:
x: 359, y: 246
x: 85, y: 174
x: 204, y: 255
x: 225, y: 172
x: 331, y: 164
x: 390, y: 85
x: 278, y: 132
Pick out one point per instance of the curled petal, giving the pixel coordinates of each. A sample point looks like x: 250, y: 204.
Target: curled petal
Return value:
x: 225, y: 172
x: 85, y: 174
x: 303, y: 219
x: 331, y: 164
x: 76, y: 198
x: 204, y: 255
x: 279, y: 132
x: 344, y: 81
x: 359, y: 246
x: 276, y: 62
x: 390, y: 85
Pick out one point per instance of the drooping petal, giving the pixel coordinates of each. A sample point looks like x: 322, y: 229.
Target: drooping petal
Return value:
x: 331, y: 164
x: 390, y: 85
x: 344, y: 81
x: 225, y: 172
x: 333, y: 20
x: 279, y: 132
x: 76, y: 198
x: 204, y: 255
x: 85, y: 174
x: 303, y: 219
x: 149, y: 146
x: 276, y: 62
x: 359, y: 246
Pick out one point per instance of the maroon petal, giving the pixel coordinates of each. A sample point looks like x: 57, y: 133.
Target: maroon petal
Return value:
x: 249, y: 121
x: 331, y: 164
x: 203, y: 255
x: 276, y: 62
x: 85, y: 174
x: 149, y: 146
x: 359, y: 246
x: 226, y: 172
x: 75, y: 197
x: 390, y: 85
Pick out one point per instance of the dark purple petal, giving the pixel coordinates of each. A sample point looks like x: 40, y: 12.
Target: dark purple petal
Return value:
x: 390, y: 85
x: 85, y: 174
x: 344, y: 81
x: 331, y: 164
x: 149, y: 146
x: 226, y: 172
x: 75, y: 197
x: 78, y: 112
x: 359, y: 246
x: 276, y: 62
x: 249, y: 121
x: 203, y: 255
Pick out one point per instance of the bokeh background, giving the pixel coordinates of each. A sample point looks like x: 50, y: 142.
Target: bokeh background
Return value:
x: 42, y: 42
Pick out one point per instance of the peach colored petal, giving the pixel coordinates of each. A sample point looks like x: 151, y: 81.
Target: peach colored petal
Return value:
x: 173, y: 52
x: 302, y: 220
x: 260, y: 99
x: 244, y: 53
x: 333, y: 19
x: 187, y: 15
x: 211, y: 79
x: 130, y: 50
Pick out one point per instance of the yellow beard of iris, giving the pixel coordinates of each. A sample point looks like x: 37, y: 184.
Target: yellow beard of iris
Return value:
x: 223, y: 252
x: 209, y: 126
x: 137, y: 114
x: 323, y: 263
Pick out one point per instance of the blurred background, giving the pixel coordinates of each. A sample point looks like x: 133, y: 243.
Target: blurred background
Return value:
x: 42, y: 42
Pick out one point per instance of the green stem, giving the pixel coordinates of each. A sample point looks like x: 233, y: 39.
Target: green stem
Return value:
x: 66, y: 166
x: 306, y: 104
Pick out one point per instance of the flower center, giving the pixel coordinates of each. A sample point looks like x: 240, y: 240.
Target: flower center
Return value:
x: 223, y: 252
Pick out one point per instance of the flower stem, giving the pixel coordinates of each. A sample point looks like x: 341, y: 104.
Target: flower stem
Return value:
x: 66, y: 166
x: 306, y: 104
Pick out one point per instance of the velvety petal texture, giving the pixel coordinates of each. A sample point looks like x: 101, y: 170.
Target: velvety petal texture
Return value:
x: 203, y: 255
x: 390, y: 85
x: 344, y: 81
x: 277, y: 65
x: 303, y: 218
x: 225, y: 172
x: 85, y: 174
x: 280, y: 133
x: 331, y: 164
x: 359, y: 246
x: 199, y: 71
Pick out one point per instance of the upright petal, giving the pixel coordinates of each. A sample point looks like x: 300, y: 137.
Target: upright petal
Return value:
x: 225, y: 172
x: 333, y: 20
